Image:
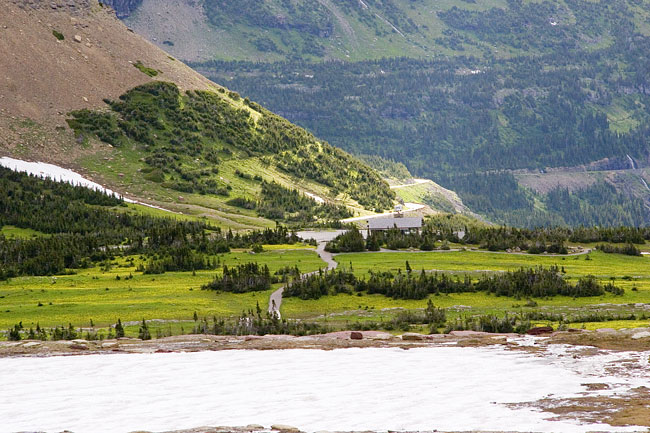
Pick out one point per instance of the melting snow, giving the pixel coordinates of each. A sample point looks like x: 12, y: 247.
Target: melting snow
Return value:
x: 444, y: 388
x: 61, y: 174
x: 318, y: 199
x: 53, y: 172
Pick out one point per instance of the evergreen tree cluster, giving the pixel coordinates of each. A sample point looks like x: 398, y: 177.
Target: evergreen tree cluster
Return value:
x: 81, y: 227
x: 628, y: 249
x: 248, y: 277
x: 280, y: 203
x: 533, y: 282
x: 350, y: 241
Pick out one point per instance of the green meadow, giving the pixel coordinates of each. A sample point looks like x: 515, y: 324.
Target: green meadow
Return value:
x: 98, y: 295
x: 630, y: 273
x: 104, y: 294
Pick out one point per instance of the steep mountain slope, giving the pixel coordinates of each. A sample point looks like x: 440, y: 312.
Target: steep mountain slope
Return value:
x: 356, y: 30
x: 81, y: 91
x: 123, y: 8
x: 513, y: 91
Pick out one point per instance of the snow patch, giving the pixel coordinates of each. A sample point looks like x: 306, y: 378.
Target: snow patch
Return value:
x: 315, y: 197
x: 54, y: 172
x: 444, y: 388
x: 61, y: 174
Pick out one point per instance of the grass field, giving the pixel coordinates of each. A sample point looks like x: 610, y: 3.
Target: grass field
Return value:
x: 173, y: 297
x: 17, y: 232
x: 100, y: 296
x: 628, y: 272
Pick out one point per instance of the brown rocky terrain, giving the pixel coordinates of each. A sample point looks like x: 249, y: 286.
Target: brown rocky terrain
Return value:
x: 43, y: 78
x: 637, y: 339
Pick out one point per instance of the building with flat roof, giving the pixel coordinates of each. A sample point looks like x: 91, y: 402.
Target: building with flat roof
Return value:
x: 404, y: 224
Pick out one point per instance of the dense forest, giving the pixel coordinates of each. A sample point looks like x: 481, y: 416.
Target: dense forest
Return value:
x: 81, y: 227
x: 468, y: 120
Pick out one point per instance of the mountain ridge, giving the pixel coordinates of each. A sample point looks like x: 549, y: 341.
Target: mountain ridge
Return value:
x: 93, y: 62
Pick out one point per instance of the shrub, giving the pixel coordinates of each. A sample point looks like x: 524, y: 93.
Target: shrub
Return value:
x: 350, y: 241
x: 145, y: 70
x: 58, y: 35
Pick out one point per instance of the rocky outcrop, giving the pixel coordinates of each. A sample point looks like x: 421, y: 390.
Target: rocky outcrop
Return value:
x: 123, y: 8
x: 69, y: 6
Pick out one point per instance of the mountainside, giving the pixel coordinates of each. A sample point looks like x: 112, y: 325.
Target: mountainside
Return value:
x: 81, y: 91
x: 512, y: 104
x: 123, y: 8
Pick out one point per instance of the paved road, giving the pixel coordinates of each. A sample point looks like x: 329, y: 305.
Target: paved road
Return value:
x: 415, y: 182
x: 275, y: 301
x: 408, y: 207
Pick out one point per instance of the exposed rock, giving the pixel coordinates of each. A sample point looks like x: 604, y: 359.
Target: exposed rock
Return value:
x: 122, y: 8
x: 77, y: 38
x: 285, y: 428
x: 356, y: 335
x: 411, y: 336
x: 32, y: 344
x: 540, y: 330
x: 78, y: 347
x: 643, y: 334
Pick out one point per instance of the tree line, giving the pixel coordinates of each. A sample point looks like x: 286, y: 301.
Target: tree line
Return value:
x: 535, y: 282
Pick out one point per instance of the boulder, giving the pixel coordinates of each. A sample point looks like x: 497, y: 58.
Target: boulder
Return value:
x: 540, y: 330
x: 638, y: 335
x: 32, y: 344
x: 285, y: 428
x: 412, y: 336
x: 78, y: 347
x: 356, y: 335
x: 77, y: 38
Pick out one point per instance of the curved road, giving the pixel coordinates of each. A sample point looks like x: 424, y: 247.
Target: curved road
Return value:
x: 275, y: 301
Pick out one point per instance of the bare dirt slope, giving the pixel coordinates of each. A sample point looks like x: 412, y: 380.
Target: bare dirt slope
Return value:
x: 43, y: 78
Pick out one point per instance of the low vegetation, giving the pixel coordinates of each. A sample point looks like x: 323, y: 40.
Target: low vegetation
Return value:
x: 145, y: 70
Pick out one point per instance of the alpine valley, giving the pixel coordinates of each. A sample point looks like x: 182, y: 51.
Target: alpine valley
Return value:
x: 533, y: 112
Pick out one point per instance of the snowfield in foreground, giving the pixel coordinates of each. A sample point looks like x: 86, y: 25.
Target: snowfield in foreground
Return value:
x: 444, y: 388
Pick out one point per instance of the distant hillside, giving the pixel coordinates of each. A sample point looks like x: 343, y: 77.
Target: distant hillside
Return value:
x: 354, y: 30
x: 123, y: 8
x: 81, y: 91
x: 515, y: 99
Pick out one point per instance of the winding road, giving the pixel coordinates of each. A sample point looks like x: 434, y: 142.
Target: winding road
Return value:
x: 275, y: 300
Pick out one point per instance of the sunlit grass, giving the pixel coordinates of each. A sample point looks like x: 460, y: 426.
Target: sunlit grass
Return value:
x: 100, y: 296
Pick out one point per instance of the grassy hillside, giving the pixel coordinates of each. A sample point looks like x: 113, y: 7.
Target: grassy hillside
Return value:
x: 523, y: 88
x: 195, y: 142
x: 153, y: 129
